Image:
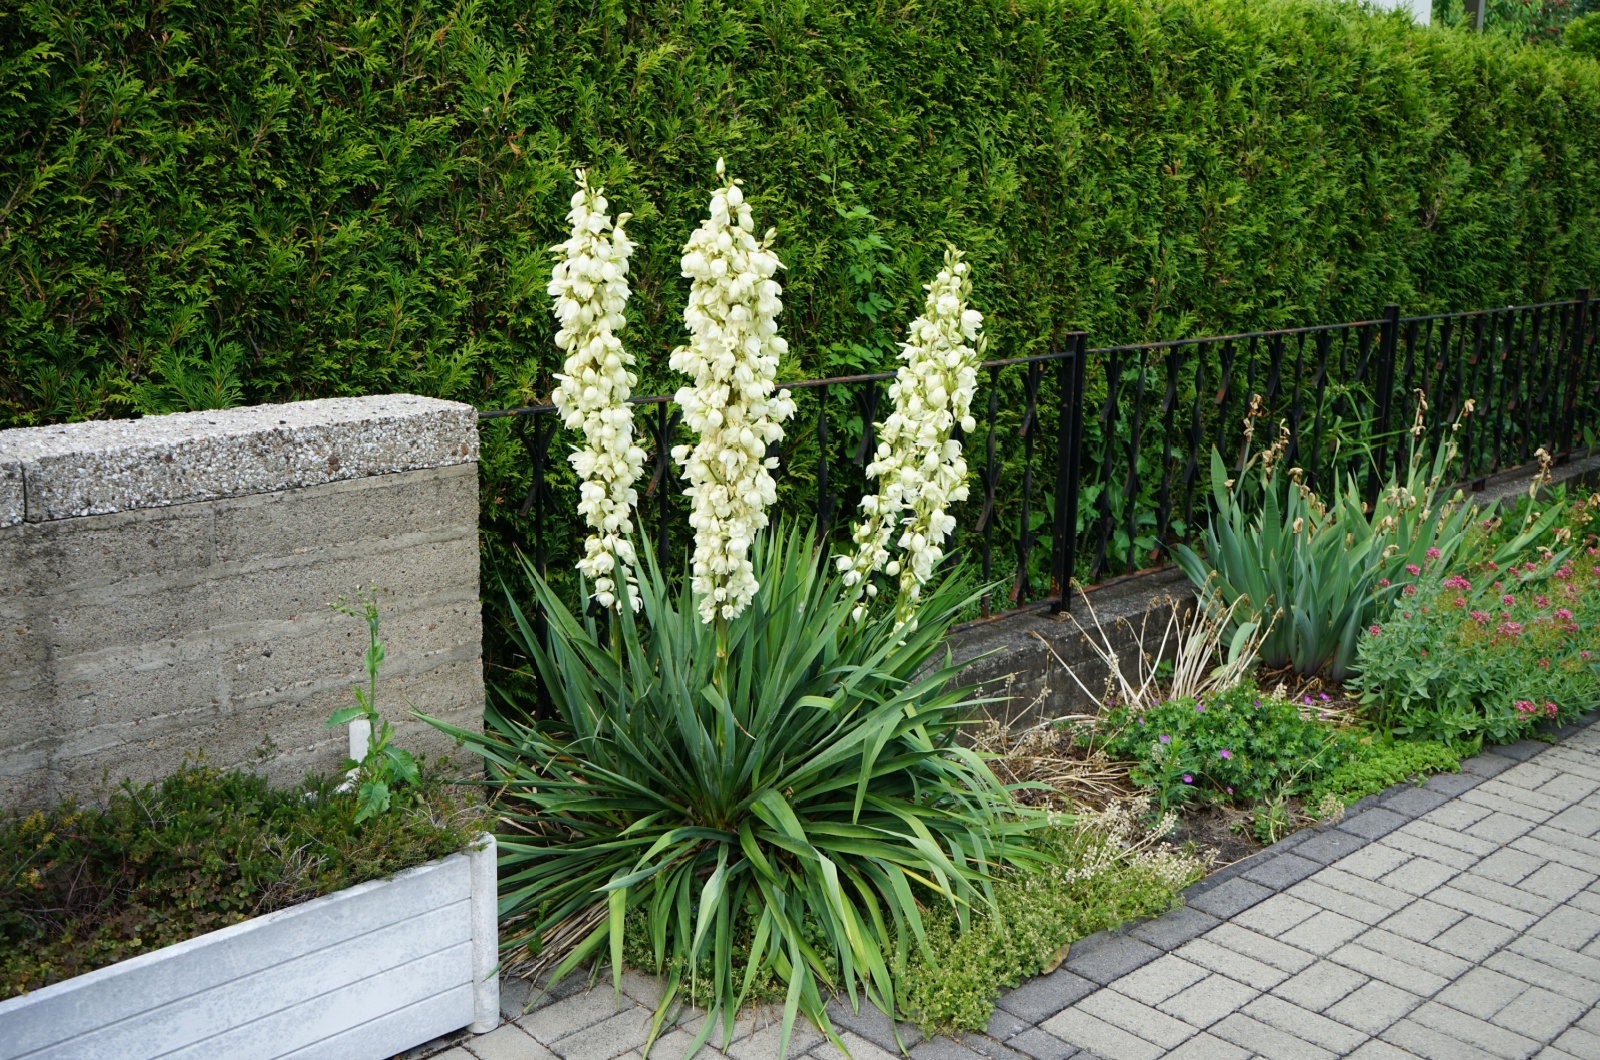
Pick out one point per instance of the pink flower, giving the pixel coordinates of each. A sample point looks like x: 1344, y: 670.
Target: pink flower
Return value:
x: 1456, y: 581
x: 1542, y: 601
x: 1225, y: 753
x: 1530, y: 566
x: 1544, y: 664
x: 1524, y: 706
x: 1563, y: 614
x: 1230, y: 791
x: 1511, y: 629
x: 1491, y: 565
x: 1164, y: 738
x: 1413, y: 570
x: 1323, y: 696
x: 1433, y: 553
x: 1461, y: 601
x: 1375, y: 630
x: 1410, y: 590
x: 1551, y: 710
x: 1508, y: 600
x: 1187, y: 779
x: 1565, y: 572
x: 1481, y: 617
x: 1383, y: 583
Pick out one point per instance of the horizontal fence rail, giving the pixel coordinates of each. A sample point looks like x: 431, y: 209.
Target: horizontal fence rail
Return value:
x: 1091, y: 462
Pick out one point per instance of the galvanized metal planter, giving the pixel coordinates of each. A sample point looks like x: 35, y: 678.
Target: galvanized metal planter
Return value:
x: 357, y: 975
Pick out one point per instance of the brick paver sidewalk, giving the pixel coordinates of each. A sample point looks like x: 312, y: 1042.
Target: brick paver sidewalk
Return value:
x: 1454, y: 921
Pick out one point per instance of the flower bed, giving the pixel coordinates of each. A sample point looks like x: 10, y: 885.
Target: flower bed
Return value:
x: 211, y: 915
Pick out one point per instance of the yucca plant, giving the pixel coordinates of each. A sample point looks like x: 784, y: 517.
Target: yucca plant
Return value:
x: 785, y: 783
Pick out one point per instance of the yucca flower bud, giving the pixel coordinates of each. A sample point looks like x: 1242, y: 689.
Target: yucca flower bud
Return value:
x: 589, y: 288
x: 732, y: 355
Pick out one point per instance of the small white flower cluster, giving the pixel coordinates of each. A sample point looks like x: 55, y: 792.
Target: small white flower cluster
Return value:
x: 919, y: 467
x: 733, y: 355
x: 590, y: 287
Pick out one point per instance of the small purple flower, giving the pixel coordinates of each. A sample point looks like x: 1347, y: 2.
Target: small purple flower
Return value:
x: 1164, y: 738
x: 1187, y: 779
x: 1141, y: 721
x: 1199, y: 708
x: 1324, y: 696
x: 1230, y: 791
x: 1225, y: 753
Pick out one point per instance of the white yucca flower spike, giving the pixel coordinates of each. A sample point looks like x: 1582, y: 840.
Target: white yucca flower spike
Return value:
x: 732, y: 355
x: 919, y: 467
x: 590, y: 287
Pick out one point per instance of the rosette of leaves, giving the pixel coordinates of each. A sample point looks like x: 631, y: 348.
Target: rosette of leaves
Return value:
x: 787, y: 787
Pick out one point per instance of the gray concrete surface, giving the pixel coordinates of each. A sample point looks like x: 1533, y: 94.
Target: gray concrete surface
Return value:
x: 173, y: 624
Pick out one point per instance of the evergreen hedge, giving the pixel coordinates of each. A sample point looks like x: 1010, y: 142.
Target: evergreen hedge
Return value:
x: 221, y: 201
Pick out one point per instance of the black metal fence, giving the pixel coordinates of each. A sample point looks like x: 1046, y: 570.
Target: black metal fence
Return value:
x: 1102, y: 454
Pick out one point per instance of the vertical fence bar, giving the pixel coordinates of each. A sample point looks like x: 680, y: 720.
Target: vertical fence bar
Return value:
x: 1388, y: 336
x: 1575, y: 350
x: 1066, y: 508
x: 1169, y: 409
x: 824, y: 502
x: 1191, y: 471
x: 1030, y: 421
x: 1069, y: 559
x: 1319, y: 390
x: 1130, y: 492
x: 991, y: 479
x: 1108, y: 433
x: 1476, y: 387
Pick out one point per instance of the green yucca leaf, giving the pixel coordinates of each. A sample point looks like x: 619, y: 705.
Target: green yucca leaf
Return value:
x: 787, y: 785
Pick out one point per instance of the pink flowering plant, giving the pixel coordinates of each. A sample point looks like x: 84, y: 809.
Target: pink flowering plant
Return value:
x: 1488, y: 653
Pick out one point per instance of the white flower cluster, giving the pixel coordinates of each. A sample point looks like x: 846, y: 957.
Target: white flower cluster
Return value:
x: 733, y: 355
x: 590, y: 287
x: 919, y: 467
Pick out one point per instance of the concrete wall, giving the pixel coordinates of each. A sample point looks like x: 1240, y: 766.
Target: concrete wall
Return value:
x: 164, y: 586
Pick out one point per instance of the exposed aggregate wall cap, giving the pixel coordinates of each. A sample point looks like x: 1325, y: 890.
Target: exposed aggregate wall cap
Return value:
x: 107, y: 466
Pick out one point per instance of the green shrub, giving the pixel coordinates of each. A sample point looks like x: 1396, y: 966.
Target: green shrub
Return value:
x: 84, y: 887
x: 1488, y: 657
x: 1373, y: 766
x: 781, y: 791
x: 216, y: 201
x: 1583, y: 35
x: 1239, y: 747
x: 1095, y: 882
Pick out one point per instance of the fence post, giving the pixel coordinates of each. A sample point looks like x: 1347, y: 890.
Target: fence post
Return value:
x: 1575, y: 340
x: 1388, y: 340
x: 1069, y: 442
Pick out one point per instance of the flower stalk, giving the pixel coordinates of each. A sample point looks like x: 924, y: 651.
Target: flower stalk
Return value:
x: 732, y: 404
x: 918, y: 463
x: 589, y: 286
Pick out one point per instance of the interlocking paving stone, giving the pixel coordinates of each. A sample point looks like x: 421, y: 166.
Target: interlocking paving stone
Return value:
x: 1174, y: 929
x: 1206, y: 1047
x: 1108, y: 958
x: 1229, y: 898
x: 508, y: 1042
x: 1323, y: 933
x: 1042, y: 1045
x: 1267, y: 1040
x: 1209, y: 1000
x: 1088, y: 1032
x: 1452, y: 921
x: 1281, y: 870
x: 1423, y: 921
x: 1319, y: 986
x: 1372, y: 823
x: 1302, y: 1023
x: 1373, y: 861
x: 1276, y: 915
x: 1160, y: 979
x: 1039, y: 999
x: 1374, y: 1007
x: 1419, y: 876
x: 1135, y: 1017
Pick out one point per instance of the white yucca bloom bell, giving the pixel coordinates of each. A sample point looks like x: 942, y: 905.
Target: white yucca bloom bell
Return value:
x: 589, y: 285
x: 732, y: 355
x: 918, y: 465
